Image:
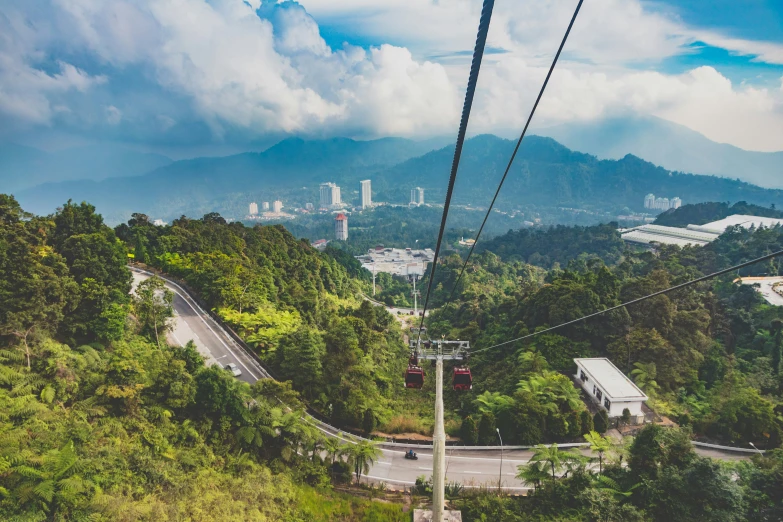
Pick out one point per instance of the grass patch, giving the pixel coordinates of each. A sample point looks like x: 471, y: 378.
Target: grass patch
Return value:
x: 408, y: 424
x: 318, y: 506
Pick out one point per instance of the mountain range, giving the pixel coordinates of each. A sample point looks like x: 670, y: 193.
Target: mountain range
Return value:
x: 23, y: 167
x: 671, y: 146
x: 545, y: 173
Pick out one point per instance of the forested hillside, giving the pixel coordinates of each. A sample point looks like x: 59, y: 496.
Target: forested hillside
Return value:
x: 101, y: 419
x: 709, y: 356
x: 297, y: 307
x: 560, y: 244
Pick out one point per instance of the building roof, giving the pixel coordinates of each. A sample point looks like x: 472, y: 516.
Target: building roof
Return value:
x: 720, y: 226
x: 613, y: 382
x: 340, y: 217
x: 647, y: 234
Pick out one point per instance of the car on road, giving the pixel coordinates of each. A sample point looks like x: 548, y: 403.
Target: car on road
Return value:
x: 234, y: 369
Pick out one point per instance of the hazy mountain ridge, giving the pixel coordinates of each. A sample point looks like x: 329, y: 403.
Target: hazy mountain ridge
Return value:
x: 671, y: 146
x: 23, y: 167
x: 545, y: 173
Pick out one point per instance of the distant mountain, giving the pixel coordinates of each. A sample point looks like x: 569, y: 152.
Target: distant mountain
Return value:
x: 24, y: 167
x: 671, y: 146
x: 701, y: 213
x: 194, y: 186
x: 547, y: 173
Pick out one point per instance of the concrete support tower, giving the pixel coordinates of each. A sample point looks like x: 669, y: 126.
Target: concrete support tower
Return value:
x: 438, y: 446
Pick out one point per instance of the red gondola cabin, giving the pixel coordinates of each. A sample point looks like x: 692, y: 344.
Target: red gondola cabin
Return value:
x: 414, y: 377
x: 461, y: 379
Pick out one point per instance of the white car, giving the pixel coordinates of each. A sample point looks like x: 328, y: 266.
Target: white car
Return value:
x: 234, y: 369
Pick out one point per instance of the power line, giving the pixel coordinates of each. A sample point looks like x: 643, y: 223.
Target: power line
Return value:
x: 475, y: 66
x: 634, y: 301
x: 519, y: 142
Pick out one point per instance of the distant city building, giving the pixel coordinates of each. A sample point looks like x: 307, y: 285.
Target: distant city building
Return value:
x: 330, y: 195
x: 253, y: 209
x: 695, y: 235
x: 309, y: 206
x: 341, y: 227
x: 277, y: 206
x: 366, y: 193
x: 265, y: 206
x: 650, y: 201
x: 417, y: 196
x: 468, y: 242
x: 397, y: 261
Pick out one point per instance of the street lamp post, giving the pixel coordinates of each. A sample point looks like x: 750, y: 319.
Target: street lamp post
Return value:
x: 500, y: 473
x: 755, y: 448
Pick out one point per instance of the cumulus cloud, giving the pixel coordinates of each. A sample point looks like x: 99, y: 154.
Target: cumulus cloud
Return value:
x: 263, y: 68
x: 212, y: 70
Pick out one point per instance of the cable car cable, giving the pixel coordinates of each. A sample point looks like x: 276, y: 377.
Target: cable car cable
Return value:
x: 475, y: 66
x: 516, y: 149
x: 638, y: 300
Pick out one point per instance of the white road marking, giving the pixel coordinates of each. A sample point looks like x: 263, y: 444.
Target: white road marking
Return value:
x: 428, y: 469
x: 474, y: 472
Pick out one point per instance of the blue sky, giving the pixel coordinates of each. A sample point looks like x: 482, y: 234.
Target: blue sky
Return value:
x: 227, y: 75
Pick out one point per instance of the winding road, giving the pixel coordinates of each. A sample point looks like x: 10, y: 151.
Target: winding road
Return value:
x: 470, y: 466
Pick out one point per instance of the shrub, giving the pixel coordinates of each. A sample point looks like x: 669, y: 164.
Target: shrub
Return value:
x: 601, y: 421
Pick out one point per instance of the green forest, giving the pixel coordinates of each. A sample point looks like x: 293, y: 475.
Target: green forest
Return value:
x: 103, y: 419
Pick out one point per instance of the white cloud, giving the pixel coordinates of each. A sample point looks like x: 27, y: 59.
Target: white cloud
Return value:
x: 270, y: 72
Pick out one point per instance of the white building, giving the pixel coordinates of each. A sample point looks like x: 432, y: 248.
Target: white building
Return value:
x: 265, y: 206
x: 608, y: 387
x: 277, y: 207
x: 676, y: 202
x: 330, y: 195
x: 366, y: 193
x: 649, y: 201
x: 417, y: 196
x: 253, y: 209
x: 696, y: 235
x: 662, y: 203
x: 341, y: 227
x: 309, y: 206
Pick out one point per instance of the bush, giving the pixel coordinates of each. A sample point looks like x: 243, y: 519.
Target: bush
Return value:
x: 487, y: 435
x: 368, y: 422
x: 405, y: 424
x: 626, y: 418
x: 587, y: 422
x: 601, y: 421
x: 469, y: 431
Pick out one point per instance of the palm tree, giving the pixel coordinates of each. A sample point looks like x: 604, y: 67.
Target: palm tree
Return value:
x: 533, y: 362
x: 612, y: 487
x: 362, y: 456
x: 598, y: 444
x: 644, y: 375
x: 554, y: 457
x: 532, y: 473
x: 333, y: 448
x: 493, y: 402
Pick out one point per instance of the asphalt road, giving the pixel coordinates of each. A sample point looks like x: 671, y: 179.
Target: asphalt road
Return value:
x: 765, y: 288
x: 471, y: 468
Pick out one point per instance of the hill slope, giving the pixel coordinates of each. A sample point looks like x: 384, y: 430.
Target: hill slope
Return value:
x: 193, y: 186
x: 24, y: 167
x: 672, y: 146
x: 547, y: 173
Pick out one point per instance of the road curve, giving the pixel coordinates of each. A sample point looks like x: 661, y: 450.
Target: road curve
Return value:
x: 470, y: 466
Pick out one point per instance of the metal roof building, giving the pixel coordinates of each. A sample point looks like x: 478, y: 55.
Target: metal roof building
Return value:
x: 608, y: 387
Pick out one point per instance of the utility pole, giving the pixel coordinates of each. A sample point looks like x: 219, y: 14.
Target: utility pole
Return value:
x: 438, y: 443
x: 500, y: 473
x: 373, y: 279
x: 415, y: 294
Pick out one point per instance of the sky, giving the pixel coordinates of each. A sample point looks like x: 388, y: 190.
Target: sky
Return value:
x: 194, y: 76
